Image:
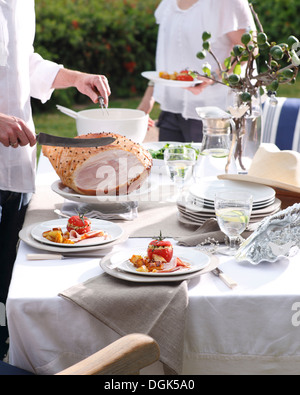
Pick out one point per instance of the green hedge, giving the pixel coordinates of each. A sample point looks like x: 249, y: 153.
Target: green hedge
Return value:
x: 280, y: 18
x: 118, y: 38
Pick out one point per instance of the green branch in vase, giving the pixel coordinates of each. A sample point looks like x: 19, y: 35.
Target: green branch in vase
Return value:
x: 256, y: 66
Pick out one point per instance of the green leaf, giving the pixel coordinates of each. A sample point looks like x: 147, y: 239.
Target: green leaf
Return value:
x: 206, y: 45
x: 227, y: 62
x: 206, y: 70
x: 201, y: 54
x: 237, y: 69
x: 206, y: 36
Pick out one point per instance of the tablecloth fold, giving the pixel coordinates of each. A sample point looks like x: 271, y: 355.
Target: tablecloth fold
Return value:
x: 157, y: 310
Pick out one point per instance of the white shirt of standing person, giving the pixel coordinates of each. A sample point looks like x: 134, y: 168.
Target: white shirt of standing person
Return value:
x: 180, y: 39
x: 23, y: 74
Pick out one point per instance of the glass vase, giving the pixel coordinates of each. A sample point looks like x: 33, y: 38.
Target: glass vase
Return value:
x: 247, y: 117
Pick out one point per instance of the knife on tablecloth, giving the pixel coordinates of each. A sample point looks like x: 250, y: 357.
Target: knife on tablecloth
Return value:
x: 57, y: 141
x: 54, y: 256
x: 226, y: 279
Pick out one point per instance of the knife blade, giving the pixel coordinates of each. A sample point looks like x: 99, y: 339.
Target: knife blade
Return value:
x: 57, y: 141
x: 226, y: 279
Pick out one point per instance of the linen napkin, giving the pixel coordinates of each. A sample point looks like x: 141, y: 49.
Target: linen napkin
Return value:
x: 127, y: 211
x: 207, y: 233
x: 158, y: 310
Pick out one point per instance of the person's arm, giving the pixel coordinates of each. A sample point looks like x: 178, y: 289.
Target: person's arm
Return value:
x: 91, y: 85
x: 235, y: 37
x: 147, y: 103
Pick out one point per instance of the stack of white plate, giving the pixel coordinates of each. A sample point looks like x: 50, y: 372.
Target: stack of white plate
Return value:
x: 198, y: 205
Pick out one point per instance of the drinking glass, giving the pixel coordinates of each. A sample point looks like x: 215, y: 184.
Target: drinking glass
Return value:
x: 179, y: 162
x: 233, y: 210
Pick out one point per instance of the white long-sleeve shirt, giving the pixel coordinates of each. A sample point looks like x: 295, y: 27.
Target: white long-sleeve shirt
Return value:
x: 180, y: 39
x: 23, y: 74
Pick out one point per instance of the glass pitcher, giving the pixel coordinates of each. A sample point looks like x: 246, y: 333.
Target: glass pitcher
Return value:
x: 216, y: 143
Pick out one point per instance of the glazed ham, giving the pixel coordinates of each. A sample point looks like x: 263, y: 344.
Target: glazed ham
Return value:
x: 115, y: 169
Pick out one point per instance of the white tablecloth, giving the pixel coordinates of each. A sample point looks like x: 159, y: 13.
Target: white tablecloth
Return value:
x: 253, y: 329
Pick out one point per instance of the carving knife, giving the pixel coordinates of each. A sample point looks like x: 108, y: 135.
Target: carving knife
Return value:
x: 57, y: 141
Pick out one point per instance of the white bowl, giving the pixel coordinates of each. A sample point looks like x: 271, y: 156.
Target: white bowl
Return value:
x: 130, y: 123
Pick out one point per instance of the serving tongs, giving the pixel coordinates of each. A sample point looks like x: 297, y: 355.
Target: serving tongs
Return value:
x: 102, y: 104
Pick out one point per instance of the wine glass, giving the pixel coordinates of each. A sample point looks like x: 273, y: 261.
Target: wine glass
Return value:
x: 179, y: 161
x: 233, y: 210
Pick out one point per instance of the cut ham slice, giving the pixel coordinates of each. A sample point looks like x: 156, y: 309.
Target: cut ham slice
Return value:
x: 76, y: 237
x: 116, y: 169
x: 174, y: 265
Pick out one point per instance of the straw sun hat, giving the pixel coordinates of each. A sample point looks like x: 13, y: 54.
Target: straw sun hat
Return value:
x: 272, y: 167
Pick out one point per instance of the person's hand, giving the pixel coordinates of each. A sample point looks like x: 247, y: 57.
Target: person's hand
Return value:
x: 147, y: 109
x: 199, y: 88
x: 151, y: 123
x: 93, y: 86
x: 14, y: 132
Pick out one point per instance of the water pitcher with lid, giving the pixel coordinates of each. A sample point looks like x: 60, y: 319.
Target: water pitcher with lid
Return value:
x: 216, y: 143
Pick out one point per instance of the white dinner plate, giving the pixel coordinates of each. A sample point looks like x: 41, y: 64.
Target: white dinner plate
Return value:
x: 194, y: 214
x: 196, y: 259
x: 114, y: 231
x: 191, y: 217
x: 207, y: 190
x: 25, y: 236
x: 210, y: 204
x: 154, y: 76
x: 68, y: 193
x: 188, y: 221
x: 194, y: 208
x: 113, y: 271
x: 273, y: 208
x: 191, y: 207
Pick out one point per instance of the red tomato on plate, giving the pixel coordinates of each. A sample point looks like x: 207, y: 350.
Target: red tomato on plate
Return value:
x: 184, y: 75
x: 160, y: 247
x: 79, y: 223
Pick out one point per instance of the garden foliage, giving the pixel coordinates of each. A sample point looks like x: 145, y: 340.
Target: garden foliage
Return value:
x: 280, y: 18
x: 117, y: 38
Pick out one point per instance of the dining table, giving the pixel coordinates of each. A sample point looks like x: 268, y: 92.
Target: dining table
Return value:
x: 203, y: 326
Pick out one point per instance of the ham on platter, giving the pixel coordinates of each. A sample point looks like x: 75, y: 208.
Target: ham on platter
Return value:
x: 116, y: 169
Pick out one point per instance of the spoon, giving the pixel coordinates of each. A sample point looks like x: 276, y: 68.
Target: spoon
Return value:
x: 58, y: 212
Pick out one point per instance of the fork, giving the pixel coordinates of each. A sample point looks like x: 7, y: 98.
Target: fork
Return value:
x: 102, y: 104
x: 98, y: 215
x: 59, y: 212
x: 89, y: 214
